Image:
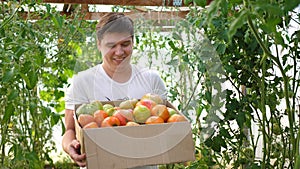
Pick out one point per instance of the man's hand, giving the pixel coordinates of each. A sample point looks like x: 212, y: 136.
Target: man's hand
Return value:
x: 74, y: 152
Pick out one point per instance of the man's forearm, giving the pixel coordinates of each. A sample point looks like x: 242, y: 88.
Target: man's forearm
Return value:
x: 67, y: 139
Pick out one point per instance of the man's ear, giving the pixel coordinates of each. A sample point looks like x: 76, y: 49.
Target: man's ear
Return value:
x: 98, y: 44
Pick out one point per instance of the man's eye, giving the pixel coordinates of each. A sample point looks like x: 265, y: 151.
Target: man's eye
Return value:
x: 111, y: 46
x: 126, y: 44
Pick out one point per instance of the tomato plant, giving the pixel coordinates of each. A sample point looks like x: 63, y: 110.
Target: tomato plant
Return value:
x: 233, y: 67
x: 37, y: 57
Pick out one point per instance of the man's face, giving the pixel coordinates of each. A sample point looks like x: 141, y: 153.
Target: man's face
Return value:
x: 116, y: 49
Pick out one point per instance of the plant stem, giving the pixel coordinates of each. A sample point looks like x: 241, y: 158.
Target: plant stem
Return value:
x: 10, y: 18
x: 267, y: 53
x: 193, y: 93
x: 297, y: 156
x: 264, y: 117
x: 3, y: 140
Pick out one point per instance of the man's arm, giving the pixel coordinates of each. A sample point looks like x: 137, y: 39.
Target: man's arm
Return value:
x: 69, y: 143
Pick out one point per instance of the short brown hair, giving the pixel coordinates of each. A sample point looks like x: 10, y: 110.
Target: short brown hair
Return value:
x: 114, y: 22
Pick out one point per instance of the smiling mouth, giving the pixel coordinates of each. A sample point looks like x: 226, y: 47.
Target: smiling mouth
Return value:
x: 119, y: 60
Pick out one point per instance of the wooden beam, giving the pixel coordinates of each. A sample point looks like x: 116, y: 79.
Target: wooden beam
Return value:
x: 145, y: 15
x: 153, y: 15
x: 164, y: 21
x: 84, y: 8
x: 118, y: 2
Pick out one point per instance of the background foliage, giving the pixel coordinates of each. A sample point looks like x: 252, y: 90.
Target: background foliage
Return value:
x: 37, y: 59
x: 259, y: 127
x: 232, y: 68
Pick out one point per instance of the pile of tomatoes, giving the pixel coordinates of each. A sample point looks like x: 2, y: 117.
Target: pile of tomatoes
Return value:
x: 150, y: 109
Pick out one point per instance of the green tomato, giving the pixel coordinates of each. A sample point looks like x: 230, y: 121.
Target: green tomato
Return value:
x: 111, y: 111
x: 107, y: 106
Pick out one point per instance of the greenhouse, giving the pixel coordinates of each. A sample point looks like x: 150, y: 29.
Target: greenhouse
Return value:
x: 164, y: 84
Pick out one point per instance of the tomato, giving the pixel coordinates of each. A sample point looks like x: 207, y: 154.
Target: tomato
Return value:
x: 110, y: 121
x: 84, y: 119
x: 171, y: 111
x: 132, y: 123
x: 176, y: 118
x: 154, y: 120
x: 161, y: 111
x: 91, y: 125
x: 151, y: 96
x: 141, y: 113
x: 146, y: 102
x: 124, y: 115
x: 99, y: 116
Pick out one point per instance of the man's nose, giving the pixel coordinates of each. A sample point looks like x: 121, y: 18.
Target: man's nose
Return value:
x: 119, y: 50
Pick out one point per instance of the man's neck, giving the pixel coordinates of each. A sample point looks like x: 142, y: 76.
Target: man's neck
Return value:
x: 120, y: 75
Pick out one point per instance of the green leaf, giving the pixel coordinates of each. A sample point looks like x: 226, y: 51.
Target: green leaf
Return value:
x: 221, y: 48
x: 236, y: 1
x: 224, y: 133
x: 19, y: 51
x: 185, y: 58
x: 8, y: 76
x: 176, y: 36
x: 271, y: 9
x: 270, y: 25
x: 290, y: 5
x: 241, y: 118
x: 237, y: 23
x: 12, y: 94
x: 26, y: 66
x: 208, y: 142
x: 187, y: 2
x: 230, y: 70
x: 30, y: 79
x: 46, y: 112
x: 279, y: 39
x: 9, y: 109
x: 216, y: 146
x: 173, y: 62
x: 208, y: 96
x: 33, y: 78
x: 220, y: 141
x: 213, y: 9
x: 32, y: 107
x: 63, y: 128
x: 54, y: 119
x: 58, y: 21
x: 201, y: 3
x: 60, y: 107
x: 171, y: 43
x: 33, y: 160
x: 288, y: 67
x: 297, y: 161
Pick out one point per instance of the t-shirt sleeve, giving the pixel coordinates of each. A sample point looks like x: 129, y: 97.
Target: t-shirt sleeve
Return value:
x: 158, y: 85
x: 76, y: 93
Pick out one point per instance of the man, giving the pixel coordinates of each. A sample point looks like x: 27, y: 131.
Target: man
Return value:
x: 114, y: 79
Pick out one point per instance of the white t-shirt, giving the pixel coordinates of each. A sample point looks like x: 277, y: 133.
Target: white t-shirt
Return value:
x: 94, y: 84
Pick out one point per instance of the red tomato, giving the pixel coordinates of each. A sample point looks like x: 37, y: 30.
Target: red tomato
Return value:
x: 146, y: 102
x: 110, y: 121
x: 154, y: 120
x: 99, y: 116
x: 91, y: 125
x: 161, y: 110
x: 176, y: 118
x: 84, y: 119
